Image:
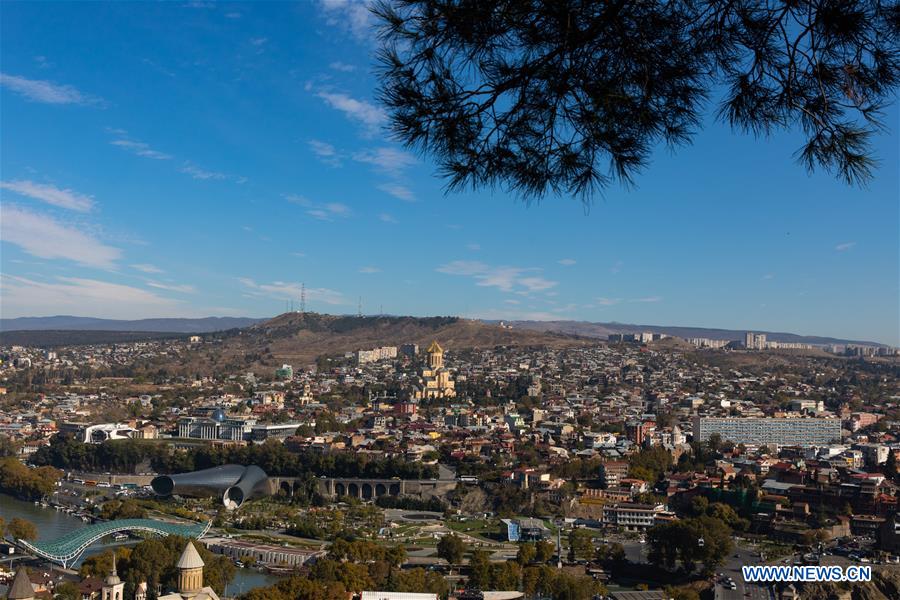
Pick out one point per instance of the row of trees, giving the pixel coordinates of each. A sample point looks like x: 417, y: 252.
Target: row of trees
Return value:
x: 331, y: 580
x: 352, y: 566
x: 365, y: 551
x: 529, y: 571
x: 65, y: 452
x: 18, y: 480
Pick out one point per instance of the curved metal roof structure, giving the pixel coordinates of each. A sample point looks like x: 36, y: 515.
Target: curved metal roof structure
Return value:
x: 66, y: 549
x: 232, y: 483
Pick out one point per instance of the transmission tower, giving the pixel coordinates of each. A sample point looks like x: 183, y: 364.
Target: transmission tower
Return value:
x: 303, y: 297
x: 359, y: 308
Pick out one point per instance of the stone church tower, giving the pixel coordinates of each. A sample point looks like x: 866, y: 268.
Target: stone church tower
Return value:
x: 190, y: 571
x: 113, y: 587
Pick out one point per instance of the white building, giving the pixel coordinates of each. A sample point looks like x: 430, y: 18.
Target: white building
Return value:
x: 631, y: 516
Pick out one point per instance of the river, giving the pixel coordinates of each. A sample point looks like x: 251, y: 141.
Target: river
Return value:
x: 52, y: 523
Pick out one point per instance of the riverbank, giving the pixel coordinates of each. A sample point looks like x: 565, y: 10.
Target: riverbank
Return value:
x: 52, y: 523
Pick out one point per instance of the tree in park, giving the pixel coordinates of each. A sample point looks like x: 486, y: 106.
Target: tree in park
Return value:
x: 688, y: 542
x: 479, y: 569
x: 581, y: 544
x: 573, y: 95
x: 21, y: 529
x: 544, y: 550
x: 451, y: 548
x: 526, y: 554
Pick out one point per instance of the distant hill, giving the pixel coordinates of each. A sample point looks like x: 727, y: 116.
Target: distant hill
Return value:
x: 301, y: 337
x: 52, y: 338
x: 65, y: 322
x: 602, y: 330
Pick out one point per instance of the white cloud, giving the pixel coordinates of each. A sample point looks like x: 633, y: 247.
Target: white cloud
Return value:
x: 83, y: 297
x: 45, y: 91
x: 473, y: 246
x: 386, y: 160
x: 366, y: 113
x: 504, y: 278
x: 369, y: 270
x: 325, y: 152
x: 608, y: 301
x: 141, y: 149
x: 648, y: 299
x: 385, y: 217
x: 616, y: 268
x: 147, y: 268
x: 63, y: 198
x: 401, y: 192
x: 844, y: 246
x: 172, y: 287
x: 343, y: 67
x: 44, y: 237
x: 567, y: 262
x: 198, y: 173
x: 336, y: 208
x: 352, y: 16
x: 280, y: 290
x: 324, y: 212
x: 259, y: 41
x: 536, y: 284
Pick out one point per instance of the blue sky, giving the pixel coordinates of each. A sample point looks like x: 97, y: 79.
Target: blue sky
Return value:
x: 168, y: 159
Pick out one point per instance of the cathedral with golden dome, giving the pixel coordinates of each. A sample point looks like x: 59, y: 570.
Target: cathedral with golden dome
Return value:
x: 435, y: 380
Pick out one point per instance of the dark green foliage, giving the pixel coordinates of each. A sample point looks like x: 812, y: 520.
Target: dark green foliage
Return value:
x: 65, y: 452
x: 451, y: 548
x: 569, y: 96
x: 433, y: 504
x: 649, y: 463
x: 678, y: 543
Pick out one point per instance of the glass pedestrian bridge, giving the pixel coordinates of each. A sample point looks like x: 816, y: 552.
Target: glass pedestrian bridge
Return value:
x: 66, y: 549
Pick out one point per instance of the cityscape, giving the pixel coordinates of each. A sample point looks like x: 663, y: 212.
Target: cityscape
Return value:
x: 570, y: 467
x: 450, y: 300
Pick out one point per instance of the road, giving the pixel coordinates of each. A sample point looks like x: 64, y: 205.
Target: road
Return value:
x: 743, y: 590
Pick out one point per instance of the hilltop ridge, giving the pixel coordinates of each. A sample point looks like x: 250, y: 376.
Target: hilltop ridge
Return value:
x: 301, y: 337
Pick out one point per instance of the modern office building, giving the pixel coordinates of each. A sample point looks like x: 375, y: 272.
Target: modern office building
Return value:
x: 769, y: 431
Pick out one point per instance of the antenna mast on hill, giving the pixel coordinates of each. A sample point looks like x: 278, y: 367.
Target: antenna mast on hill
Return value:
x: 303, y: 297
x: 359, y: 308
